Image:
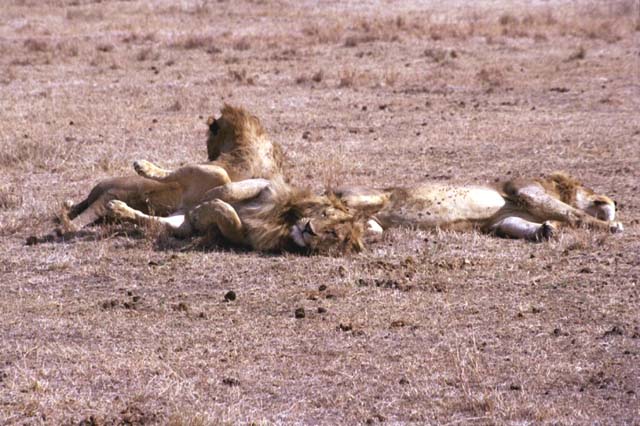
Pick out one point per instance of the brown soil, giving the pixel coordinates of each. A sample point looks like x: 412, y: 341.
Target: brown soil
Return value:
x: 120, y: 326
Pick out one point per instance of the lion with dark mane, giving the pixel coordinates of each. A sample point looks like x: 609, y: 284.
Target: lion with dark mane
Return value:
x: 242, y: 193
x: 260, y: 214
x: 530, y: 209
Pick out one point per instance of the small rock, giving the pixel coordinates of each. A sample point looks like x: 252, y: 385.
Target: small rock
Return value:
x: 322, y: 287
x: 515, y: 387
x: 230, y: 296
x: 181, y: 307
x: 322, y: 310
x: 615, y: 331
x: 109, y: 304
x: 345, y: 327
x: 299, y: 313
x: 229, y: 381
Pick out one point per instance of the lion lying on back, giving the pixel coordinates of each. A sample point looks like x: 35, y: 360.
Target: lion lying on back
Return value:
x: 242, y: 193
x: 261, y: 214
x: 526, y: 209
x: 236, y: 142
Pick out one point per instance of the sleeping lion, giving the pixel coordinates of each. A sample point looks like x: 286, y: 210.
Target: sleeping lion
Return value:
x: 526, y: 209
x: 260, y: 214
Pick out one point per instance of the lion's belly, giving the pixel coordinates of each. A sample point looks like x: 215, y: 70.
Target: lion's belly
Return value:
x: 435, y: 205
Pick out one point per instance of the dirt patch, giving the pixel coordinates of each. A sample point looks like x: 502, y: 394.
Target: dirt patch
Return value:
x: 123, y: 325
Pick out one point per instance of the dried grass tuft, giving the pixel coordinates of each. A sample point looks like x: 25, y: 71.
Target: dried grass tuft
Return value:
x: 579, y: 54
x: 10, y: 198
x: 347, y: 78
x: 36, y: 45
x: 147, y: 54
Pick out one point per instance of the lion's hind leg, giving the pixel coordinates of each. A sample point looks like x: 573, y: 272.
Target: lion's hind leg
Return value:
x: 149, y: 170
x: 220, y: 214
x: 519, y: 228
x: 193, y: 178
x: 176, y: 223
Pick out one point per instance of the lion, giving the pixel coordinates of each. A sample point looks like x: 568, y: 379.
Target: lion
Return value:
x: 238, y: 148
x: 267, y: 215
x: 529, y: 209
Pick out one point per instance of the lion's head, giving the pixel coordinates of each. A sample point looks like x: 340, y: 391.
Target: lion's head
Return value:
x: 234, y: 129
x: 573, y: 192
x: 300, y: 221
x: 324, y: 225
x: 239, y: 143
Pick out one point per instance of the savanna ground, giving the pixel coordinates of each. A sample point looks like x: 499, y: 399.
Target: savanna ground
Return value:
x: 124, y: 327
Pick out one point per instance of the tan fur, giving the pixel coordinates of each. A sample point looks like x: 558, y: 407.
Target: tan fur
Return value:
x: 519, y: 208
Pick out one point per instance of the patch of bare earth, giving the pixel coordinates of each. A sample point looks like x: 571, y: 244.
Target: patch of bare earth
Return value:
x: 119, y: 327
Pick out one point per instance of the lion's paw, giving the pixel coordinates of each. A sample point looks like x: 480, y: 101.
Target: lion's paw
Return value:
x: 143, y: 168
x: 616, y: 227
x: 67, y: 205
x: 120, y: 209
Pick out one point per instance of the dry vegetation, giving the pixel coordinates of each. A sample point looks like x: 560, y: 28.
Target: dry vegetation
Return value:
x: 124, y: 327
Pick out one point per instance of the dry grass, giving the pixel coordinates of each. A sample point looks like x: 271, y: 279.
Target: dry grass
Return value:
x: 124, y: 325
x: 347, y: 78
x: 195, y: 41
x: 35, y: 45
x: 147, y: 54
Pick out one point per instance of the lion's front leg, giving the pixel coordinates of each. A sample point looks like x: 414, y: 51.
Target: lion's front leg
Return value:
x: 220, y: 214
x: 516, y: 227
x: 176, y: 223
x: 367, y: 200
x: 234, y: 192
